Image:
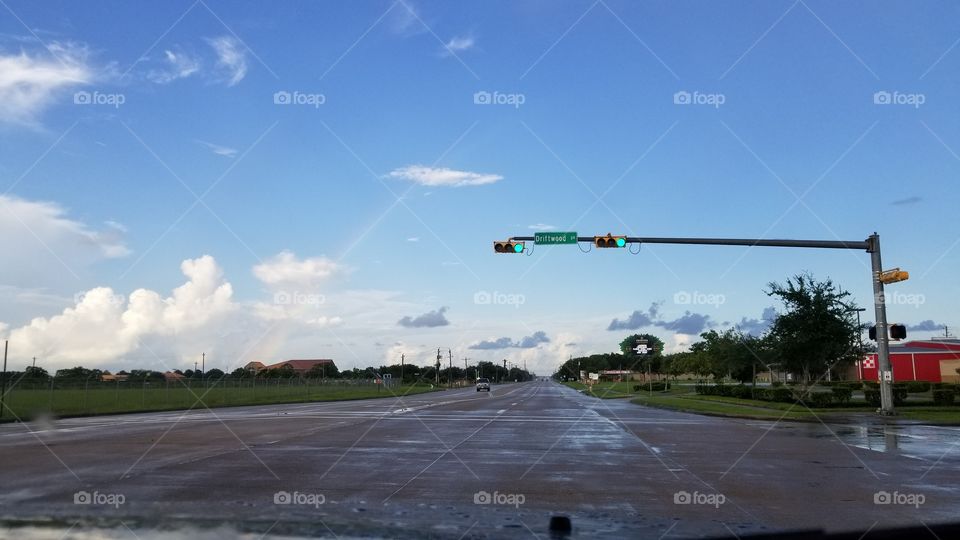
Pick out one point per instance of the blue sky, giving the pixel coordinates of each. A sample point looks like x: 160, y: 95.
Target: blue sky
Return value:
x: 375, y: 197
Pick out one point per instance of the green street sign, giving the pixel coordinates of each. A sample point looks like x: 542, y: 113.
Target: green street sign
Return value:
x: 549, y: 238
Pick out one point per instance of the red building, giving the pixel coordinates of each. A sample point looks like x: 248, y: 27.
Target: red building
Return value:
x: 935, y: 360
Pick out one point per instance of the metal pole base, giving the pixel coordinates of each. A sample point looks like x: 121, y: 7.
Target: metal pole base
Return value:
x: 886, y: 412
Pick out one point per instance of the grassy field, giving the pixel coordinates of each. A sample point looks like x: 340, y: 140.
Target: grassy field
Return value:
x: 683, y: 398
x: 60, y: 402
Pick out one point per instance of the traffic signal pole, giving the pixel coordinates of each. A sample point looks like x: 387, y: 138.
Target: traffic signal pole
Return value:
x: 871, y: 245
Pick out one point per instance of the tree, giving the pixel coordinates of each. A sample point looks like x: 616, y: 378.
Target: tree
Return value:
x: 240, y: 373
x: 641, y: 362
x: 214, y: 374
x: 35, y: 373
x: 817, y: 331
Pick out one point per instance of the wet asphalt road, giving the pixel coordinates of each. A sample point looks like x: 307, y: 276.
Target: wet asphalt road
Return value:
x: 459, y: 463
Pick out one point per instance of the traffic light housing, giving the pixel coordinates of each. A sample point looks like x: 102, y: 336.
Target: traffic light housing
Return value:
x: 893, y: 276
x: 610, y: 241
x: 898, y: 331
x: 508, y: 246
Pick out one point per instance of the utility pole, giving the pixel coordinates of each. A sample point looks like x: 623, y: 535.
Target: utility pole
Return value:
x: 203, y: 363
x: 34, y: 361
x: 439, y: 356
x: 504, y: 370
x: 883, y: 332
x: 3, y: 391
x: 450, y: 369
x: 401, y: 369
x: 465, y: 369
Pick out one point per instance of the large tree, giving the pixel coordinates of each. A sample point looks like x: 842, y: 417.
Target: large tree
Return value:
x: 642, y: 362
x: 818, y: 329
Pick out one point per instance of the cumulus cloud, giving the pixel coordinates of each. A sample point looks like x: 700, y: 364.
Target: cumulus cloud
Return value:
x: 925, y: 326
x: 30, y: 83
x: 42, y: 231
x: 527, y: 342
x: 177, y: 65
x: 231, y: 58
x: 439, y: 176
x: 637, y: 319
x: 431, y: 319
x: 104, y: 325
x: 286, y: 269
x: 758, y: 326
x: 688, y: 323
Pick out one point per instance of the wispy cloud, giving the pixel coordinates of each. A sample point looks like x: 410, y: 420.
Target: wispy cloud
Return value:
x: 437, y: 176
x: 231, y: 58
x: 218, y: 149
x: 457, y: 44
x: 907, y: 201
x: 31, y: 83
x: 177, y: 65
x: 413, y: 239
x: 541, y: 227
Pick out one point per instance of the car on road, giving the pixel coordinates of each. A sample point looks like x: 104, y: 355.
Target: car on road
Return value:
x: 483, y: 384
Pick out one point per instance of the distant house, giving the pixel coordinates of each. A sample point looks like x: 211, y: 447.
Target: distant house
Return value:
x: 299, y: 366
x: 254, y: 366
x: 172, y: 376
x: 120, y: 376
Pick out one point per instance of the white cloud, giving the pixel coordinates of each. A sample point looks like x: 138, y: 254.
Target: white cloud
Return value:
x: 285, y: 269
x: 178, y: 65
x: 41, y: 232
x: 457, y: 44
x: 30, y: 83
x: 541, y: 227
x: 219, y: 150
x: 413, y: 239
x: 231, y: 58
x: 437, y: 176
x: 103, y: 325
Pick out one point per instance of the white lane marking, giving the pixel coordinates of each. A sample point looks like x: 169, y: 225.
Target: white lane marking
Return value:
x: 512, y: 404
x: 501, y: 411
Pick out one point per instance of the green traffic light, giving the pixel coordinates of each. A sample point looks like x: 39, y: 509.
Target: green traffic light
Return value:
x: 518, y: 248
x: 621, y: 242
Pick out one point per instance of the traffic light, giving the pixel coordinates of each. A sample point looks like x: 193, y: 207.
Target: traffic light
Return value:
x: 610, y: 241
x: 893, y: 276
x: 508, y: 246
x: 873, y: 333
x: 898, y: 331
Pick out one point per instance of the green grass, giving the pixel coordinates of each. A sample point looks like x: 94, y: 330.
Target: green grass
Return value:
x: 613, y: 390
x: 765, y: 410
x: 27, y: 403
